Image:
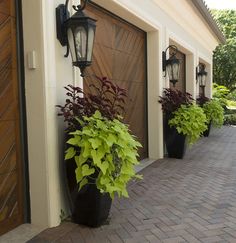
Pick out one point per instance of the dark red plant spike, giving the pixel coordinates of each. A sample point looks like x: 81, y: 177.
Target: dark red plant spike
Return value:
x: 105, y: 96
x: 173, y: 99
x: 113, y: 87
x: 111, y: 92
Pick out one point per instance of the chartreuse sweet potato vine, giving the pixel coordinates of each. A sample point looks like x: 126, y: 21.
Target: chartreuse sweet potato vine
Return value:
x: 106, y: 147
x: 189, y: 120
x: 214, y: 113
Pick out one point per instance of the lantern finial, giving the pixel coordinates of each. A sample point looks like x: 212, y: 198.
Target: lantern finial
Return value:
x: 80, y: 7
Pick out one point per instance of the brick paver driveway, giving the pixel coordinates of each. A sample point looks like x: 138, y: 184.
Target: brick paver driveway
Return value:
x: 189, y: 200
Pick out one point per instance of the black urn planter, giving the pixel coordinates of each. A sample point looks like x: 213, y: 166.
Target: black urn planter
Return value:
x: 206, y: 133
x: 175, y: 142
x: 91, y: 207
x: 88, y: 206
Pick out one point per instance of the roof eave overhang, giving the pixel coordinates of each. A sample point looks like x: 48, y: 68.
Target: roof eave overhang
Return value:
x: 200, y: 5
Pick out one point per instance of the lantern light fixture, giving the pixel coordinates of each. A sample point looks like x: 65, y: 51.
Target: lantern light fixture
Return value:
x: 172, y: 65
x: 77, y: 33
x: 201, y: 75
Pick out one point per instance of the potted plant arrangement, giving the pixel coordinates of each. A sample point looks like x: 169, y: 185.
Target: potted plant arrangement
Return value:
x: 214, y: 113
x: 101, y: 152
x: 184, y: 121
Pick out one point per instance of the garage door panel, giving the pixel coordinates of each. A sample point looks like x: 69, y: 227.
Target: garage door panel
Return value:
x: 5, y: 79
x: 5, y: 31
x: 8, y: 197
x: 127, y: 67
x: 11, y: 191
x: 134, y: 111
x: 135, y: 94
x: 7, y: 7
x: 131, y: 68
x: 131, y: 119
x: 3, y: 18
x: 101, y: 64
x: 7, y: 148
x: 144, y: 148
x: 7, y: 99
x: 13, y: 43
x: 120, y: 54
x: 6, y: 54
x: 104, y: 31
x: 8, y: 112
x: 128, y: 42
x: 107, y: 30
x: 8, y: 44
x: 123, y: 39
x: 8, y: 162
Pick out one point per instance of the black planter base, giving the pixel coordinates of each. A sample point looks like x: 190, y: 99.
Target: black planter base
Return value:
x: 88, y: 206
x: 91, y: 208
x: 207, y: 132
x: 175, y: 142
x: 176, y: 145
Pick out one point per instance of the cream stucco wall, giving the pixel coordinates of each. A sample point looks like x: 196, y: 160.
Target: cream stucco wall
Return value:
x: 164, y: 23
x: 44, y: 89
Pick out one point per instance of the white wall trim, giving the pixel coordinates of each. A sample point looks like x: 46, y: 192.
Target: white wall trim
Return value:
x: 182, y: 45
x: 155, y: 87
x: 131, y: 13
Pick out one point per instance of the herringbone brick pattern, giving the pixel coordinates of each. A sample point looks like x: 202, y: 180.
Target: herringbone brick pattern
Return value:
x: 190, y: 200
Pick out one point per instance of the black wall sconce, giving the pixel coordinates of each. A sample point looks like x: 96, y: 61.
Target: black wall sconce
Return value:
x: 172, y: 65
x: 201, y: 75
x: 76, y: 33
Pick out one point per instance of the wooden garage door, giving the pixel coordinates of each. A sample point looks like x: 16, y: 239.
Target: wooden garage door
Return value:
x: 120, y: 54
x: 11, y: 213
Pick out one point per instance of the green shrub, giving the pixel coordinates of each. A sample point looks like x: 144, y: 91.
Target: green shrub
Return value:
x: 214, y: 113
x: 230, y: 119
x: 232, y: 95
x: 189, y: 120
x: 231, y: 103
x: 229, y: 111
x: 106, y: 147
x: 220, y: 93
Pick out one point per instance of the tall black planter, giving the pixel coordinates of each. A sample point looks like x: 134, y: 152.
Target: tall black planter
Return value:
x: 91, y: 207
x: 88, y: 206
x: 175, y: 142
x: 207, y: 132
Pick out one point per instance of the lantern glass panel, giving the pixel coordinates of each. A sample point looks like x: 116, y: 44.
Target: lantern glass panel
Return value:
x: 175, y: 67
x: 81, y: 43
x: 91, y: 33
x: 173, y: 70
x: 71, y: 44
x: 203, y: 80
x: 169, y: 71
x: 199, y: 79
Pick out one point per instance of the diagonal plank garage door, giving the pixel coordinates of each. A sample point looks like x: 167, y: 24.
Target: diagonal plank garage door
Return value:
x: 120, y: 54
x: 11, y: 213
